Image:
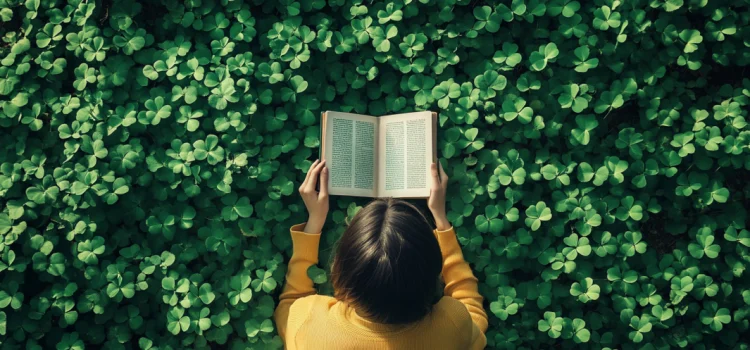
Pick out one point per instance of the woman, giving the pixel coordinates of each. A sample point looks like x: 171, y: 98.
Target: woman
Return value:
x: 386, y: 279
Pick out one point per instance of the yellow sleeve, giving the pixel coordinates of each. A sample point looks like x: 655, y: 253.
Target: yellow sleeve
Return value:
x: 460, y: 282
x: 298, y: 284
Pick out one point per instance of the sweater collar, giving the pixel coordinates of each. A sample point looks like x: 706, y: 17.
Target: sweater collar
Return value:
x: 351, y: 317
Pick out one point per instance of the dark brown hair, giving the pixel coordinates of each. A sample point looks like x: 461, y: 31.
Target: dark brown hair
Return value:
x: 388, y: 262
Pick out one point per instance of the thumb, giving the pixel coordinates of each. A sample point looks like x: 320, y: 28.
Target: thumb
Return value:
x: 434, y: 179
x: 324, y: 183
x: 443, y: 176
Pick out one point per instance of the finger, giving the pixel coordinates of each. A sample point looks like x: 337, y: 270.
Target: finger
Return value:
x: 307, y: 176
x: 443, y: 176
x: 312, y: 166
x: 324, y: 183
x: 434, y: 179
x: 314, y: 174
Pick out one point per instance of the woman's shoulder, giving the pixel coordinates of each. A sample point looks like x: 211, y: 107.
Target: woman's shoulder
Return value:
x: 312, y: 303
x: 450, y: 316
x: 318, y: 310
x: 454, y: 310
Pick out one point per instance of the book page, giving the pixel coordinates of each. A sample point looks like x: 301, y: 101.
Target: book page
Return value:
x: 349, y: 150
x: 405, y: 148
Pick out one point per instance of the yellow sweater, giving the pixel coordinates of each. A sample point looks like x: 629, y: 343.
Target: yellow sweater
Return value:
x: 309, y: 321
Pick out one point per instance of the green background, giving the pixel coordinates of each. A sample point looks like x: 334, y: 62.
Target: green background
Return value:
x: 598, y: 154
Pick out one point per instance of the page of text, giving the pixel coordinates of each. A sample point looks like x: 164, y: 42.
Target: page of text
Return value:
x: 350, y: 154
x: 395, y: 152
x: 406, y: 155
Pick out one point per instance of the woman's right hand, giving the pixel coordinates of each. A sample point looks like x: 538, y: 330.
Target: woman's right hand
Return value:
x: 315, y: 202
x: 438, y: 191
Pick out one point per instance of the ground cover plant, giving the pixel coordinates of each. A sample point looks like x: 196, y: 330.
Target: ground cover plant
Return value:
x: 150, y: 153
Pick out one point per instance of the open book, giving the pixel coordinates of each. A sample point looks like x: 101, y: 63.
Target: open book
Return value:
x: 388, y: 156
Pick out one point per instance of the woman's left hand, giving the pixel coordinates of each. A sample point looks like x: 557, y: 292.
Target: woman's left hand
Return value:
x: 438, y: 191
x: 315, y: 202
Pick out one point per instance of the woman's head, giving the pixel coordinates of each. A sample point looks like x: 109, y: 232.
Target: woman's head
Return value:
x: 388, y: 262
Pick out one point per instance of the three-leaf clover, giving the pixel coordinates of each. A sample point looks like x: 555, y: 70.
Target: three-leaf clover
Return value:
x: 381, y: 39
x: 605, y: 18
x: 705, y: 245
x: 551, y: 324
x: 540, y: 58
x: 640, y: 325
x: 715, y: 317
x: 239, y: 289
x: 691, y: 38
x: 536, y: 214
x: 508, y: 55
x: 585, y: 290
x: 90, y: 249
x: 585, y: 123
x: 488, y: 83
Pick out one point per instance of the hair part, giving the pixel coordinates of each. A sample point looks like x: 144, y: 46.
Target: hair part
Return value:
x: 388, y: 263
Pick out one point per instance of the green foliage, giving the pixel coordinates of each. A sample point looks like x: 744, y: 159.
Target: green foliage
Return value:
x: 598, y: 152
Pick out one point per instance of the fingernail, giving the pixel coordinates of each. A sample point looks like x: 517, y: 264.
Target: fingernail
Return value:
x: 325, y: 170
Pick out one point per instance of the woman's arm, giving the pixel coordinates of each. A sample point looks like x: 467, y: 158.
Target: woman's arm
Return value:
x: 298, y: 284
x: 460, y: 282
x: 305, y: 241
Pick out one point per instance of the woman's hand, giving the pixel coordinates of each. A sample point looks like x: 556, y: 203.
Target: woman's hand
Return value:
x: 316, y: 203
x: 436, y: 202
